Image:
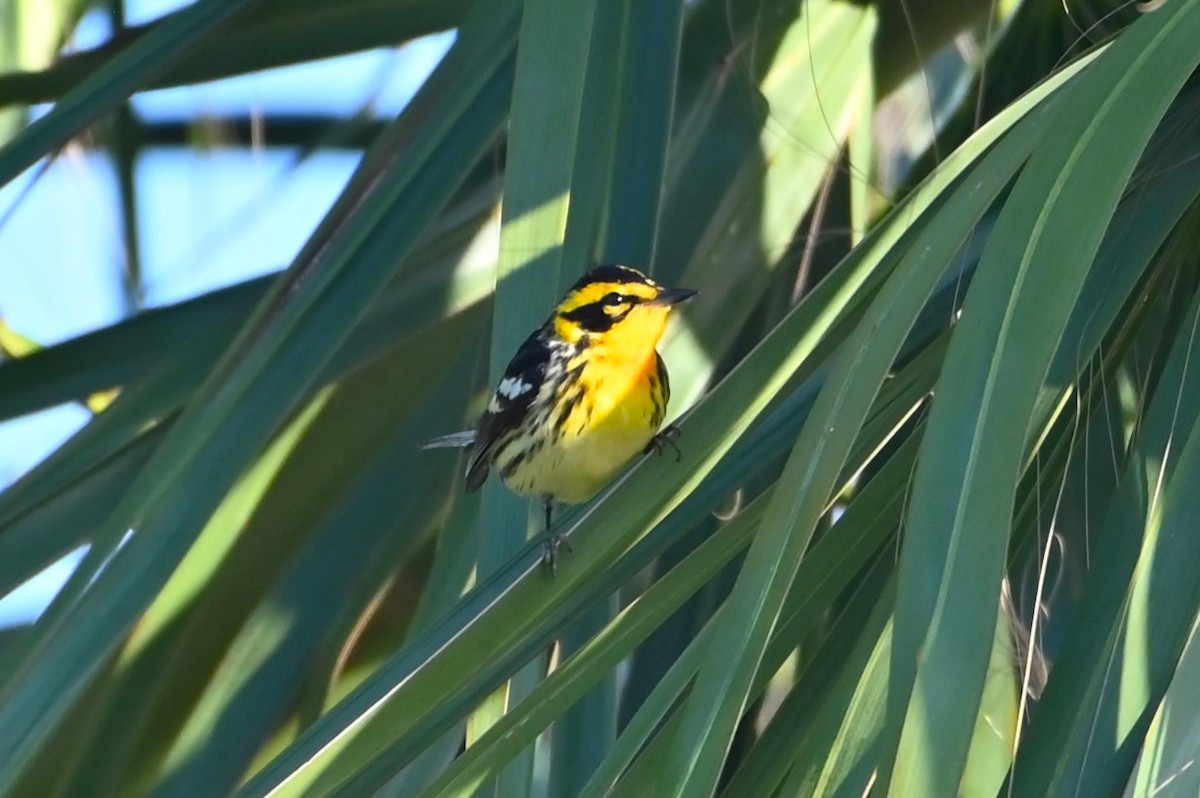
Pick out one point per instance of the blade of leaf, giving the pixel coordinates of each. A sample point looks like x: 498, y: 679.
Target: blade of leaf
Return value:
x: 615, y: 190
x: 108, y: 86
x: 820, y: 452
x: 269, y: 368
x: 1130, y: 546
x: 1041, y: 251
x: 271, y: 34
x: 543, y: 134
x: 530, y: 608
x: 822, y: 576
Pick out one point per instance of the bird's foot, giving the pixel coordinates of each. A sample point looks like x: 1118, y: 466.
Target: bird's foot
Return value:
x: 553, y: 543
x: 664, y: 439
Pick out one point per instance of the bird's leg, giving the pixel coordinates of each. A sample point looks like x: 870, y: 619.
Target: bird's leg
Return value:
x: 665, y: 438
x: 554, y: 541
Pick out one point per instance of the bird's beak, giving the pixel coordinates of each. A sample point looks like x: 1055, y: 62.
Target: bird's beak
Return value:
x: 672, y: 296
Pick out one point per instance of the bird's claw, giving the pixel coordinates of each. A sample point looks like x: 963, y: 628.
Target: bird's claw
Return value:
x: 665, y: 438
x: 553, y: 543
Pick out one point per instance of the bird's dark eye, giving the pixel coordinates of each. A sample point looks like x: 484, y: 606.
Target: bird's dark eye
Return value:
x: 614, y: 299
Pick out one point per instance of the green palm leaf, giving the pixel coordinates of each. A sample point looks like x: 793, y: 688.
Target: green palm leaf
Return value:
x: 946, y: 432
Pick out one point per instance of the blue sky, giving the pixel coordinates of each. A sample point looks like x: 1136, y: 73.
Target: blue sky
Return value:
x: 206, y: 219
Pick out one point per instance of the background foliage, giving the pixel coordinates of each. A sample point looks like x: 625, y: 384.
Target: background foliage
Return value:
x: 933, y: 528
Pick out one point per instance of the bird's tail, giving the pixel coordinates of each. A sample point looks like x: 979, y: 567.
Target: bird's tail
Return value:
x: 455, y: 440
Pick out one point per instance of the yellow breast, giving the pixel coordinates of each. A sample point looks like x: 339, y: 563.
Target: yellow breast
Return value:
x: 604, y: 419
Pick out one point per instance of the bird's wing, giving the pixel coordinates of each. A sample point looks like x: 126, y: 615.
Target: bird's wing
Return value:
x: 516, y: 392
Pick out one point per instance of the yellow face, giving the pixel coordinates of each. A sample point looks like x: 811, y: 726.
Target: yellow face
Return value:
x: 616, y: 302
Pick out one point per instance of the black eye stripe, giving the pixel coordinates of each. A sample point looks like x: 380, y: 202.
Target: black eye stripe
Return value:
x: 614, y: 298
x: 595, y: 316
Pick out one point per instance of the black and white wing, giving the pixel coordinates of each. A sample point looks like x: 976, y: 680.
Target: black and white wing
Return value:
x: 509, y: 405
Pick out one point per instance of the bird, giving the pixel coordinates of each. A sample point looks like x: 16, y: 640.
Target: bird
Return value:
x: 583, y: 396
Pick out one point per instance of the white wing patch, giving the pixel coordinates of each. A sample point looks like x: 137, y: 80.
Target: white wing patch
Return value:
x: 512, y: 387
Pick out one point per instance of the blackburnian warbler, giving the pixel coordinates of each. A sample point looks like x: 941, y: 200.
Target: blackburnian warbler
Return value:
x: 585, y: 393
